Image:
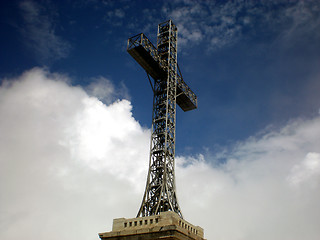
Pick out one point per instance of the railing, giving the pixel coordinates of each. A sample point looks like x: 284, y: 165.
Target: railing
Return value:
x: 141, y: 40
x: 185, y: 89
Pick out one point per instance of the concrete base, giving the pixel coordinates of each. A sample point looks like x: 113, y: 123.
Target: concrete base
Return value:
x: 167, y: 225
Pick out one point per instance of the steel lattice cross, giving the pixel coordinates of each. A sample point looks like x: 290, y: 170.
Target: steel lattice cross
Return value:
x: 169, y: 89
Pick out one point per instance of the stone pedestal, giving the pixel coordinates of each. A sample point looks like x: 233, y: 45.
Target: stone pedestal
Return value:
x: 167, y: 225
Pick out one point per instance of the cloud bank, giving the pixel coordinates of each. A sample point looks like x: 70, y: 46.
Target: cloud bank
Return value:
x: 264, y: 188
x: 70, y: 164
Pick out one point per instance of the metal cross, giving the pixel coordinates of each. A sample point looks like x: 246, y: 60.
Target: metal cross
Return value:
x: 169, y: 89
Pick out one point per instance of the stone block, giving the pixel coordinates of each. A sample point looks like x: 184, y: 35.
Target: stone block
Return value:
x: 167, y: 225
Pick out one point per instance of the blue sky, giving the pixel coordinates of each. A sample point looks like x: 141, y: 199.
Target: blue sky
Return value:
x: 252, y: 64
x: 68, y: 84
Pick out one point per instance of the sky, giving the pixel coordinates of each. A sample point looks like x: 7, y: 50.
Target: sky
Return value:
x: 76, y: 110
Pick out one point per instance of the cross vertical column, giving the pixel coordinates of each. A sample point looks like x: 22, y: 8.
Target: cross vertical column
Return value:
x: 160, y: 193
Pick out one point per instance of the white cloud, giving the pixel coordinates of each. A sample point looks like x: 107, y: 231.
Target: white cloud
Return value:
x: 105, y: 90
x: 204, y: 21
x: 39, y: 32
x: 308, y: 168
x: 66, y: 158
x: 70, y: 164
x: 119, y: 13
x: 221, y: 24
x: 305, y: 20
x: 267, y: 187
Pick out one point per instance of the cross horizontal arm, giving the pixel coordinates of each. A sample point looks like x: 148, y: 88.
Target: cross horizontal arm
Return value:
x: 186, y: 99
x: 146, y: 54
x: 143, y: 51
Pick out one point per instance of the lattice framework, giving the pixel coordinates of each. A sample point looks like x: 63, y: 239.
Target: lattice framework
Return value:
x: 169, y: 90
